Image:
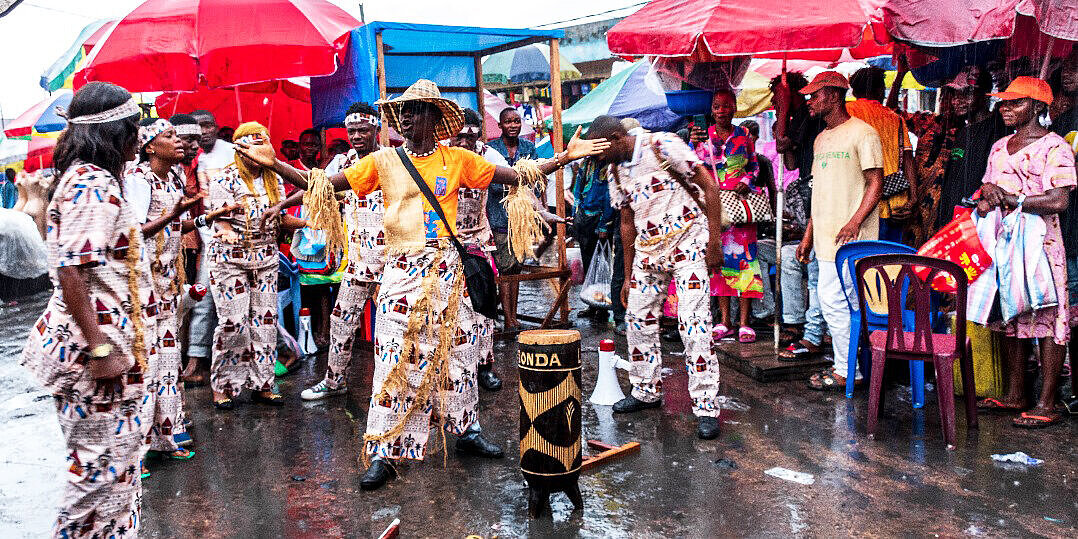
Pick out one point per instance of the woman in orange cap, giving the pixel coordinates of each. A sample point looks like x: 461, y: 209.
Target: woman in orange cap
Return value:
x: 1033, y: 168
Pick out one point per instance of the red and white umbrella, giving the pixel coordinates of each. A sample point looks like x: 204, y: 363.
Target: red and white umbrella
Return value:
x: 180, y: 45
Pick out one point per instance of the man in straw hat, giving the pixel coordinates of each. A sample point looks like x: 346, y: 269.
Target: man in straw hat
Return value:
x: 425, y: 360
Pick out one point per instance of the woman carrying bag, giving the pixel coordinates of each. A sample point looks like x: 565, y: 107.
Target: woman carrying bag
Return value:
x: 1034, y: 169
x: 727, y: 150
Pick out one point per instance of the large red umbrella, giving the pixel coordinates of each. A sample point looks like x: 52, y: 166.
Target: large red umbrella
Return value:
x: 284, y: 107
x: 690, y: 28
x: 919, y: 21
x: 174, y: 45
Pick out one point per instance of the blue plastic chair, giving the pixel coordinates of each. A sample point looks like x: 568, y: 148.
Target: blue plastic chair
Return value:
x: 291, y: 296
x: 847, y: 256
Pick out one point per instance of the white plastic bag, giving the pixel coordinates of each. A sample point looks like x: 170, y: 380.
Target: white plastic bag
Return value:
x: 596, y: 288
x: 22, y: 251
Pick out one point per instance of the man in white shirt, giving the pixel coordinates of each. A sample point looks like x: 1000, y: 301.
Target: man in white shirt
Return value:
x: 216, y: 155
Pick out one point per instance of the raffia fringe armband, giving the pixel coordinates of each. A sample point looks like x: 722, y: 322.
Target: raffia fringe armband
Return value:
x: 526, y: 226
x: 323, y: 211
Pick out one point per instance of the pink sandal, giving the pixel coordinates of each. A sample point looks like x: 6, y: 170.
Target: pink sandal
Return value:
x: 746, y: 335
x: 720, y: 332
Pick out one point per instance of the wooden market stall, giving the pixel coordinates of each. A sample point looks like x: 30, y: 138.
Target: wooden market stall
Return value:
x: 384, y: 58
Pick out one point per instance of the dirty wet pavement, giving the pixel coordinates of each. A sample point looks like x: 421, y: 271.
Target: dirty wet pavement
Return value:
x: 293, y: 472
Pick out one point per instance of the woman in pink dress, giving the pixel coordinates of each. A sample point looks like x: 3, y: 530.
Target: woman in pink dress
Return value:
x: 1034, y: 167
x: 728, y: 151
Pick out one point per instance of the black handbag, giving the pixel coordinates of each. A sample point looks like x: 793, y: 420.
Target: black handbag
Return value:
x: 478, y: 275
x: 897, y: 182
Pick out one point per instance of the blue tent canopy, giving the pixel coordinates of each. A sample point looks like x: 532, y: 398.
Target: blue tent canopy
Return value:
x: 444, y: 54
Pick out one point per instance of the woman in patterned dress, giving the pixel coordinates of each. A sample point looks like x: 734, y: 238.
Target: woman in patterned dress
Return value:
x: 728, y: 152
x: 160, y: 153
x: 1035, y: 168
x: 91, y: 346
x: 243, y: 278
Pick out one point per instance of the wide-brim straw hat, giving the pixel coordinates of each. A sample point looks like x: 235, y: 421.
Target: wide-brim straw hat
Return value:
x: 424, y: 90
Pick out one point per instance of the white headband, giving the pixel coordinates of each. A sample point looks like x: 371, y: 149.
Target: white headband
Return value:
x: 188, y: 129
x: 127, y: 109
x: 147, y: 133
x: 470, y: 129
x: 358, y: 118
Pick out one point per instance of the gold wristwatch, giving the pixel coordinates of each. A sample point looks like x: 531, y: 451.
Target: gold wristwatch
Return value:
x: 101, y: 351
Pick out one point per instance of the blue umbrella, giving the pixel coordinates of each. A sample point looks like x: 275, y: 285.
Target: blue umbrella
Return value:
x: 635, y: 92
x: 524, y: 64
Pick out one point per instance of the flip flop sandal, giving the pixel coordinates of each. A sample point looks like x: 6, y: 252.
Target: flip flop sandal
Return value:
x: 224, y: 404
x: 746, y: 335
x: 179, y: 454
x: 990, y: 404
x: 145, y: 473
x: 827, y: 381
x: 720, y: 332
x: 789, y: 335
x: 1037, y: 421
x: 797, y: 352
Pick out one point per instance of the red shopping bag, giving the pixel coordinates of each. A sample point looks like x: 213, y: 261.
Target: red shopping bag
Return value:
x: 958, y: 242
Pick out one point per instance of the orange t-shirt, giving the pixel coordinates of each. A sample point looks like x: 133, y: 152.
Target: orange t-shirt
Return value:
x: 445, y: 172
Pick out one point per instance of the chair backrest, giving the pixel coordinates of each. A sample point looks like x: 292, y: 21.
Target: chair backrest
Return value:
x: 896, y: 275
x: 846, y: 259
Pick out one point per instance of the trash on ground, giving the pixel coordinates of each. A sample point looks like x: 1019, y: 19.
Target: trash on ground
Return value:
x: 790, y: 475
x: 1018, y: 458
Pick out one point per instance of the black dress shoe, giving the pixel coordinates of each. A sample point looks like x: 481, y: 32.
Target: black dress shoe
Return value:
x: 632, y: 404
x: 479, y: 447
x: 377, y: 475
x: 707, y: 428
x: 488, y: 379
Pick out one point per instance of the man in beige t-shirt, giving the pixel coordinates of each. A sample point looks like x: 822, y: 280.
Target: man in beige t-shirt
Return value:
x: 847, y: 179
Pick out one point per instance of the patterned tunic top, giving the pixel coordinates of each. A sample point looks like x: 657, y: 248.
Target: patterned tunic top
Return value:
x: 256, y: 249
x: 662, y: 208
x: 164, y: 247
x: 363, y: 218
x: 89, y: 224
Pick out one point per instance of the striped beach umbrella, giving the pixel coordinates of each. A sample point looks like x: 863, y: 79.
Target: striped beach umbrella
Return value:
x: 40, y: 118
x: 58, y: 75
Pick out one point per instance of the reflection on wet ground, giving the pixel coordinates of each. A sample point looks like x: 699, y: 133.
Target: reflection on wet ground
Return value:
x: 293, y: 472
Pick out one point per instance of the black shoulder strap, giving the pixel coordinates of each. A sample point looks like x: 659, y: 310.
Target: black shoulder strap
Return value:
x: 425, y: 189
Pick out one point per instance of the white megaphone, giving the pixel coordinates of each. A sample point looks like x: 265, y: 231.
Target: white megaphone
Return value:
x: 607, y: 390
x: 306, y: 337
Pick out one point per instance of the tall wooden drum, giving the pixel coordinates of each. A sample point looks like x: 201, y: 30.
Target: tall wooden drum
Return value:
x: 550, y: 448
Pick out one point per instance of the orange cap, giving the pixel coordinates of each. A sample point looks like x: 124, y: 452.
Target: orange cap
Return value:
x: 826, y: 78
x: 1030, y: 87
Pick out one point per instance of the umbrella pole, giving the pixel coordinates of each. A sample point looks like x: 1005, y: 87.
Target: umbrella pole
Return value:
x: 1047, y: 57
x: 239, y: 110
x: 780, y: 210
x: 557, y: 143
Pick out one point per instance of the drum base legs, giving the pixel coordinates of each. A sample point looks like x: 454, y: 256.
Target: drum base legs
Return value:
x: 539, y: 499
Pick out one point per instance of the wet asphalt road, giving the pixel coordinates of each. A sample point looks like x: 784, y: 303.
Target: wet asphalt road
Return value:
x: 293, y: 472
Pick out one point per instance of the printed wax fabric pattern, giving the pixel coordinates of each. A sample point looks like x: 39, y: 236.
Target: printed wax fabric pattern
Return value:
x: 426, y: 321
x: 672, y: 235
x: 91, y: 225
x: 163, y: 403
x: 243, y: 281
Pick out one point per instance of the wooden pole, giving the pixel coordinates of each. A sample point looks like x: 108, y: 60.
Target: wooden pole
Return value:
x: 556, y: 141
x: 383, y: 134
x: 480, y: 106
x: 780, y: 195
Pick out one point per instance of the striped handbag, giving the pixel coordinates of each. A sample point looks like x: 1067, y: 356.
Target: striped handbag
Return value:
x: 752, y: 209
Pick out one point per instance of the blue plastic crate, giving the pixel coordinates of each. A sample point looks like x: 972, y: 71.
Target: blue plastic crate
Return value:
x: 689, y: 102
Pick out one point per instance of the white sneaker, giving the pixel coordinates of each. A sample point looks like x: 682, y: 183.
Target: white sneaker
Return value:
x: 321, y: 391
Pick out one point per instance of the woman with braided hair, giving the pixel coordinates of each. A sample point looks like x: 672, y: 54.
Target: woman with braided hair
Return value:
x: 243, y: 277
